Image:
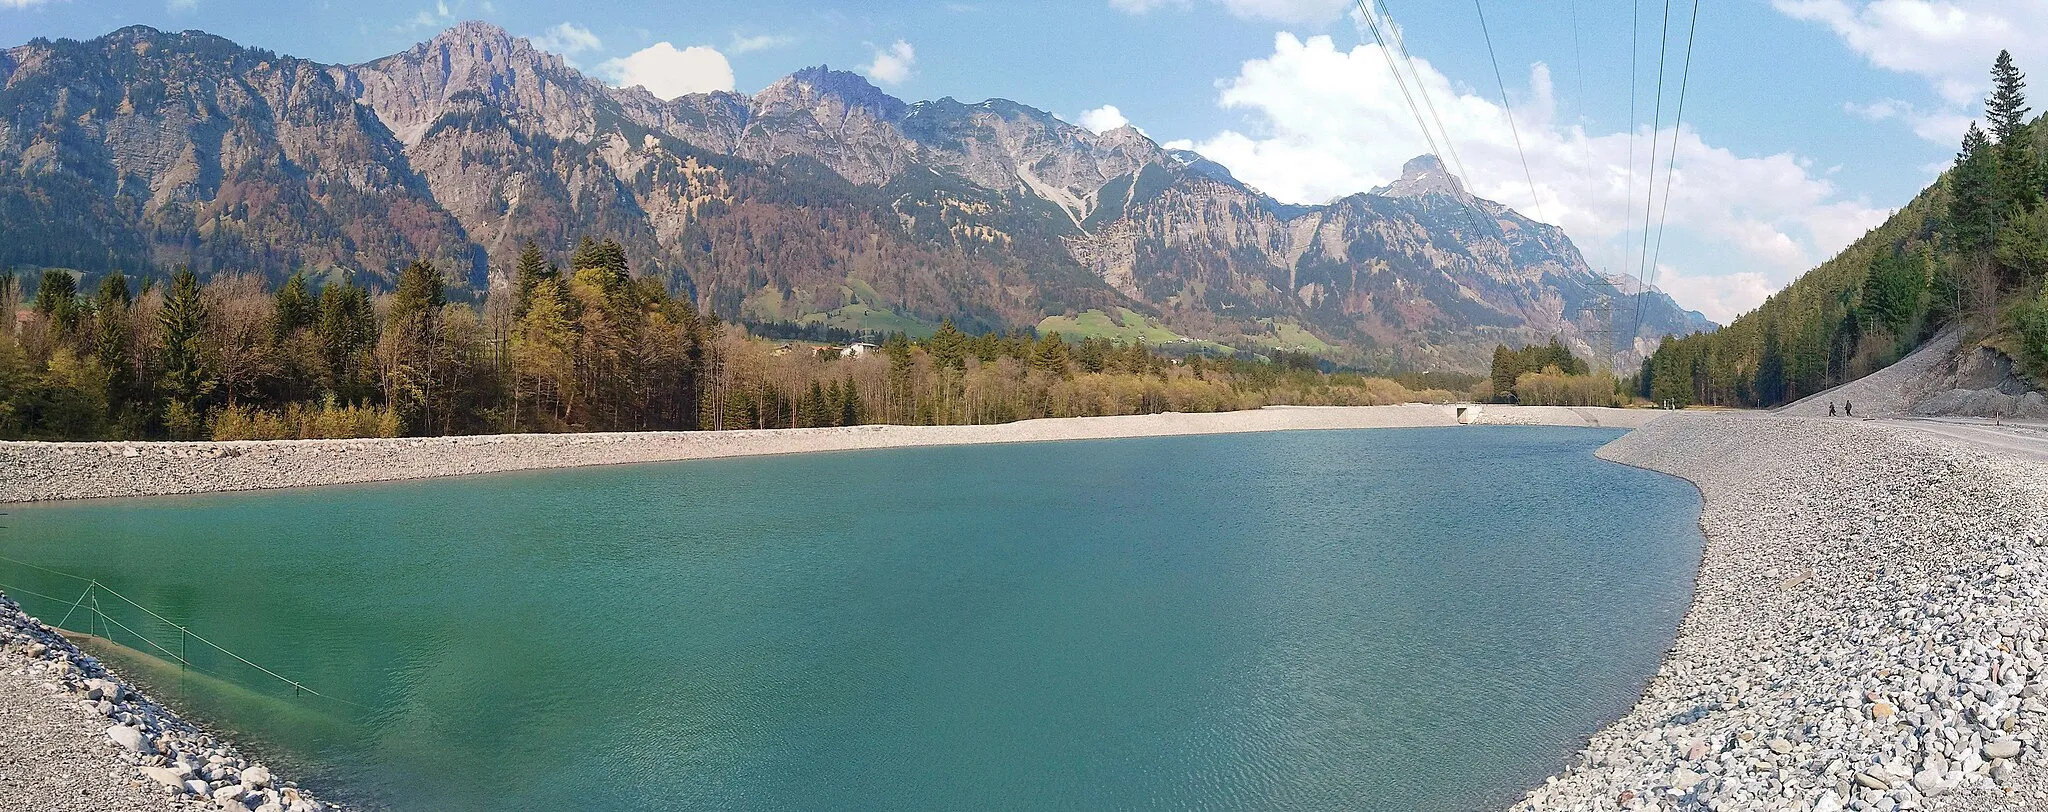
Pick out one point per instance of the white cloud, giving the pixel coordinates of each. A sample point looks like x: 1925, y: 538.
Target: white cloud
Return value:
x: 1945, y: 127
x: 21, y: 3
x: 1103, y: 119
x: 1329, y: 123
x: 1720, y: 298
x: 427, y: 19
x: 1286, y: 11
x: 747, y: 45
x: 668, y: 73
x: 181, y: 6
x: 1948, y: 44
x: 892, y: 65
x: 567, y: 39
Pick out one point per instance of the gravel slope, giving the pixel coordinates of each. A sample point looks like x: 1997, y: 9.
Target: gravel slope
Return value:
x: 72, y: 737
x: 1888, y: 392
x: 1866, y: 631
x: 38, y: 471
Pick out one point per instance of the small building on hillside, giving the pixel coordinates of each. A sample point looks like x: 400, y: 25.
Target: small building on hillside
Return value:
x: 857, y: 349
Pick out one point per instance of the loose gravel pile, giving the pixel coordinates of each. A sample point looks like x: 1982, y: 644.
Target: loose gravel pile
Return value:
x: 1892, y: 391
x: 77, y: 738
x: 1866, y: 632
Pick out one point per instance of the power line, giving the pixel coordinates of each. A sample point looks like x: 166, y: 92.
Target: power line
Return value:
x: 1428, y: 99
x: 1628, y: 201
x: 1578, y: 58
x: 1509, y: 110
x: 1677, y: 123
x: 1388, y: 53
x: 1650, y: 196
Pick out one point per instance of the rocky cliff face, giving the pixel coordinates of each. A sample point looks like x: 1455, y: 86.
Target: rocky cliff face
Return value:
x: 819, y: 197
x: 1420, y: 269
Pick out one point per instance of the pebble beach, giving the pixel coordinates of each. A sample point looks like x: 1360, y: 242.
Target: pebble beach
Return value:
x: 1866, y: 631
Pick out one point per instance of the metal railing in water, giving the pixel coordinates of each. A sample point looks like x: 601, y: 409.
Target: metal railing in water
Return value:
x: 98, y: 621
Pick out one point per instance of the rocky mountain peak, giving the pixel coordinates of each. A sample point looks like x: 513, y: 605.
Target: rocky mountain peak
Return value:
x: 819, y: 87
x: 1423, y: 176
x: 411, y: 90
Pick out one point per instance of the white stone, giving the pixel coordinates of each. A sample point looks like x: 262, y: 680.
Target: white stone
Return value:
x: 130, y: 739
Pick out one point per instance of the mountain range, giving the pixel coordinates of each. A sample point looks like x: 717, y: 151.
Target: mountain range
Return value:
x: 819, y: 199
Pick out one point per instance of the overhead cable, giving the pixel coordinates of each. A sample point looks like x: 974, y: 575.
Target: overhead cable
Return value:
x: 1428, y: 99
x: 1677, y: 123
x: 1650, y: 195
x: 1365, y: 17
x: 1509, y: 110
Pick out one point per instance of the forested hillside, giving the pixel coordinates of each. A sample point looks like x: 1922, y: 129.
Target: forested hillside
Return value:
x: 1970, y: 252
x: 589, y: 347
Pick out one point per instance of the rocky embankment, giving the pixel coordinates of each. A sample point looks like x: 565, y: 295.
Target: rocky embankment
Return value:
x: 41, y: 471
x: 1866, y: 631
x: 74, y: 737
x: 1945, y: 377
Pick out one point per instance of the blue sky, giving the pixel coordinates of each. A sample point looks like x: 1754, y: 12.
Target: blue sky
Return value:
x: 1806, y: 121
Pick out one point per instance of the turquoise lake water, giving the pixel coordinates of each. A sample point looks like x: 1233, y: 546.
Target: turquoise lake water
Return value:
x: 1425, y: 619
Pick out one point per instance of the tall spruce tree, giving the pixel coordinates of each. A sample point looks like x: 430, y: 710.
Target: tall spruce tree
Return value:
x: 2019, y: 173
x: 186, y: 380
x: 57, y: 300
x: 296, y: 307
x: 414, y: 336
x: 346, y: 330
x: 1973, y: 195
x: 948, y: 346
x: 111, y: 339
x: 1050, y: 356
x: 114, y: 291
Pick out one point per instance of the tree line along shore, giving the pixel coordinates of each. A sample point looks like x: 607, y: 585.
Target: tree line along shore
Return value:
x: 589, y: 347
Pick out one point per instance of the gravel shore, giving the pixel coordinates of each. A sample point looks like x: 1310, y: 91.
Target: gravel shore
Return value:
x: 43, y: 471
x: 73, y: 737
x: 1866, y: 630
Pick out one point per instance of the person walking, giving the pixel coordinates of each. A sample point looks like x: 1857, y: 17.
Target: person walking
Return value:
x: 1831, y: 408
x: 1848, y: 408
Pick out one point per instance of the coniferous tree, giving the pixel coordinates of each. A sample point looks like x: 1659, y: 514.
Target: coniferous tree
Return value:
x: 412, y: 343
x: 113, y: 291
x: 186, y: 379
x: 2019, y: 179
x: 1973, y: 195
x: 1050, y: 356
x: 948, y: 346
x: 532, y: 268
x: 295, y: 307
x: 901, y: 364
x: 1770, y: 372
x: 346, y: 333
x: 112, y: 338
x: 57, y: 300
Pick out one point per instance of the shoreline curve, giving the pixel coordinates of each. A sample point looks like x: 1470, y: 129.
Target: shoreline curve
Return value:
x: 1868, y: 630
